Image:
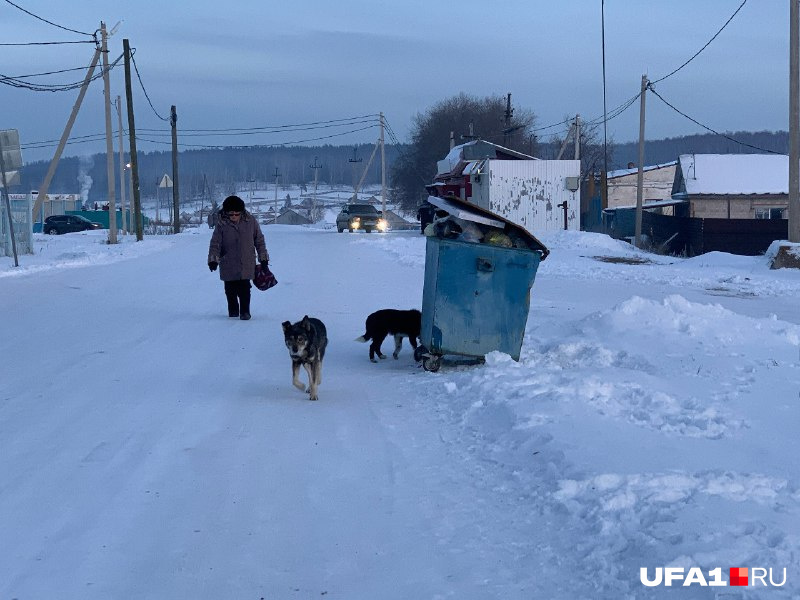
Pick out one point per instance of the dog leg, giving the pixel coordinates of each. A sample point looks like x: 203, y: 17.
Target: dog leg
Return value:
x: 376, y: 347
x: 317, y: 377
x: 295, y: 379
x: 312, y: 380
x: 398, y: 342
x: 413, y: 340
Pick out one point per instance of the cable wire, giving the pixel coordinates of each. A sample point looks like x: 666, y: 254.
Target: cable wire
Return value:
x: 45, y: 73
x: 47, y: 87
x: 256, y: 131
x: 559, y: 124
x: 141, y: 83
x: 327, y: 123
x: 45, y: 43
x: 49, y: 22
x: 696, y: 122
x: 260, y: 145
x: 706, y: 45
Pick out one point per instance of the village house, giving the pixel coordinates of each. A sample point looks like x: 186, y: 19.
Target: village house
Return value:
x: 733, y: 186
x: 540, y: 195
x: 657, y: 182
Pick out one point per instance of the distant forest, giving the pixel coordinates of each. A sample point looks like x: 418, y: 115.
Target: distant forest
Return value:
x: 228, y: 170
x: 233, y: 169
x: 669, y: 149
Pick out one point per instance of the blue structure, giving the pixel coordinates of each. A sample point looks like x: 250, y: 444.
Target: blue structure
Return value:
x: 476, y: 296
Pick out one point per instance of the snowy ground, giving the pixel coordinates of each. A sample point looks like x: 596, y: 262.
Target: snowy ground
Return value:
x: 150, y: 447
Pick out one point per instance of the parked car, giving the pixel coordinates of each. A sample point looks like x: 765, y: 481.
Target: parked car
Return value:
x: 360, y: 216
x: 58, y: 224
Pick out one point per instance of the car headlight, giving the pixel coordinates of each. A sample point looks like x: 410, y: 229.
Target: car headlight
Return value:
x: 355, y: 223
x: 383, y: 224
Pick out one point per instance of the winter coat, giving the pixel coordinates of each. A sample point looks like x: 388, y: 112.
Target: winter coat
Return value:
x: 235, y: 246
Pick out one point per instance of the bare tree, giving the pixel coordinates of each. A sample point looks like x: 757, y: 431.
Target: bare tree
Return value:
x: 467, y: 117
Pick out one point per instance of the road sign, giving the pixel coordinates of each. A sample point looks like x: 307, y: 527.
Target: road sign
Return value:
x: 9, y: 142
x: 165, y: 182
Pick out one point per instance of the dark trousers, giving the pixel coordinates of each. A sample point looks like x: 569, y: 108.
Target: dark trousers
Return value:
x: 238, y: 295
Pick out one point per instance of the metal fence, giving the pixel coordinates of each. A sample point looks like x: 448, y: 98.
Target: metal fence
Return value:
x: 23, y: 226
x: 694, y: 236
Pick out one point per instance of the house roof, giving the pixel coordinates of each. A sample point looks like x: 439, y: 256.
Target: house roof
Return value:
x: 624, y: 172
x: 735, y: 173
x: 476, y: 150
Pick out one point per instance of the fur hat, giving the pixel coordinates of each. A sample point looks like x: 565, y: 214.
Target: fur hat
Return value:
x: 233, y: 203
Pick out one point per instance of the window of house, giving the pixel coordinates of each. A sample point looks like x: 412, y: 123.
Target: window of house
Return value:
x: 769, y: 213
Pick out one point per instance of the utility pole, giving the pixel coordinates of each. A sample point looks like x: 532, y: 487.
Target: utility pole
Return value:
x: 794, y: 122
x: 121, y: 167
x: 383, y: 171
x: 316, y: 169
x: 176, y: 215
x: 8, y: 204
x: 507, y: 116
x: 565, y: 142
x: 112, y: 205
x: 640, y: 174
x: 574, y: 130
x: 137, y: 205
x: 276, y: 175
x: 354, y: 160
x: 203, y: 198
x: 51, y: 170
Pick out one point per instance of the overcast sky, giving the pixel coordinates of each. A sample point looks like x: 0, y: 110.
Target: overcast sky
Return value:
x: 256, y: 63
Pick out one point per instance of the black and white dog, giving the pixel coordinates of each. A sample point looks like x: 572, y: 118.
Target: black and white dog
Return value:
x: 399, y: 323
x: 306, y: 341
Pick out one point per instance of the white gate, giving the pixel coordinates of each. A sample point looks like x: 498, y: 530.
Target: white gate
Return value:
x: 23, y: 226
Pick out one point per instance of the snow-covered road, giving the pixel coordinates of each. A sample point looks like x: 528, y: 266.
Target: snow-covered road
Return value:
x: 151, y: 447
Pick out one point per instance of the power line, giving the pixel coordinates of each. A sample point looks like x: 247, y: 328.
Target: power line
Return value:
x: 277, y: 127
x: 705, y: 46
x: 614, y: 112
x: 45, y: 73
x: 92, y: 35
x: 326, y: 137
x: 45, y: 43
x: 559, y: 124
x: 141, y: 83
x: 98, y: 136
x: 47, y: 87
x: 256, y: 131
x: 707, y: 128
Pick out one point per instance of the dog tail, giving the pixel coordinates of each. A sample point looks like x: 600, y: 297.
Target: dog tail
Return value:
x: 363, y: 338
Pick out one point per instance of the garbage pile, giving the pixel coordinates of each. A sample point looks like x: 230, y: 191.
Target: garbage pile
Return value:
x: 456, y: 219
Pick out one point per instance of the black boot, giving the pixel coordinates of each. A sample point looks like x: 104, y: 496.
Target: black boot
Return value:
x: 244, y: 302
x: 233, y: 302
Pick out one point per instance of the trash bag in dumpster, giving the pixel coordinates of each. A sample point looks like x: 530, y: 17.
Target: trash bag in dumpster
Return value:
x: 479, y: 269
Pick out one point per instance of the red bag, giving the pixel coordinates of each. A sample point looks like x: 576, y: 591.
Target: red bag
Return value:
x: 264, y: 279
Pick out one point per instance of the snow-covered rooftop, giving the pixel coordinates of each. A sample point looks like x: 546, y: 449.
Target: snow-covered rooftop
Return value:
x: 735, y: 173
x: 623, y: 172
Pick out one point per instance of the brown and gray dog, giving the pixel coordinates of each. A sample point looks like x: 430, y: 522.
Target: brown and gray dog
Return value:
x: 306, y: 341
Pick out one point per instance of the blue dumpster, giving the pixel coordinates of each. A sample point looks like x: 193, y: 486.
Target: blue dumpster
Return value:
x: 476, y: 296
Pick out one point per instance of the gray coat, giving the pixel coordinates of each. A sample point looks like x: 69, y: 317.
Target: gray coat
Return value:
x: 235, y: 246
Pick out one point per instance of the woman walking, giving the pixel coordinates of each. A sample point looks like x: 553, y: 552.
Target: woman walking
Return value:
x: 235, y: 244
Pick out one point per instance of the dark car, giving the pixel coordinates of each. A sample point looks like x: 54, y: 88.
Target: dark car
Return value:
x: 360, y: 216
x: 58, y: 224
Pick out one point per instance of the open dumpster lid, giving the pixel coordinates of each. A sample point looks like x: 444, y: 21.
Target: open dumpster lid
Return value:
x: 461, y: 209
